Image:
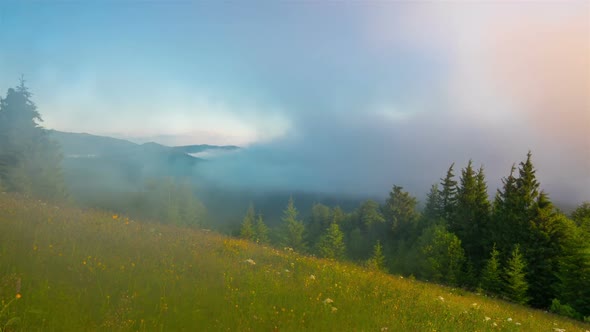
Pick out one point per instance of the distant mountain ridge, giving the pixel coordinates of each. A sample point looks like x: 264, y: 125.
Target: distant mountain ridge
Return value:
x: 205, y: 147
x: 93, y: 161
x: 83, y: 144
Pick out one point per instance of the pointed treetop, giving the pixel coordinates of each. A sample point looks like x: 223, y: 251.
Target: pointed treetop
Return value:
x: 448, y: 193
x: 543, y: 201
x: 527, y: 184
x: 467, y: 177
x: 291, y: 210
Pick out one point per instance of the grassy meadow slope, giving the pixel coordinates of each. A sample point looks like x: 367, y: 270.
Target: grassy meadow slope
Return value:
x: 65, y: 269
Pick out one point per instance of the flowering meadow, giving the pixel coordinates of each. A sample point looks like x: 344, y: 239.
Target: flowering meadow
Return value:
x: 65, y: 269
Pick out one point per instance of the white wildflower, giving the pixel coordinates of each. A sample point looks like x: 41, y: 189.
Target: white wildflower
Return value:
x: 474, y: 304
x: 383, y: 329
x: 250, y: 261
x: 328, y: 300
x: 287, y: 271
x: 334, y: 309
x: 517, y: 323
x: 441, y: 298
x: 487, y: 318
x: 312, y: 277
x: 509, y: 319
x: 494, y: 323
x: 556, y: 329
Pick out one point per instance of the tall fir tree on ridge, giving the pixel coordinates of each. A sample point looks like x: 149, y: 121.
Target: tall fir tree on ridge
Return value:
x: 448, y: 194
x: 471, y: 217
x: 527, y: 184
x: 463, y: 219
x: 506, y: 230
x: 483, y: 213
x: 30, y: 162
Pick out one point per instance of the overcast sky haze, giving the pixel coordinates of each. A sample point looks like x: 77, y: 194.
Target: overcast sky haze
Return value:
x: 328, y: 95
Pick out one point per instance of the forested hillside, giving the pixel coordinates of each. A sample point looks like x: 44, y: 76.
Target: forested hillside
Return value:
x: 516, y: 246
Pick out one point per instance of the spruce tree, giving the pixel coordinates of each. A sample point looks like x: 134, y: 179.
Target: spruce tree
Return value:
x: 293, y: 229
x: 516, y: 283
x: 261, y: 231
x: 331, y: 244
x: 247, y: 231
x: 400, y: 211
x: 505, y: 227
x: 30, y: 162
x: 448, y: 194
x: 456, y: 259
x: 491, y: 279
x: 377, y: 261
x: 547, y: 247
x: 527, y: 184
x: 524, y: 215
x: 482, y: 214
x: 462, y: 221
x: 471, y: 217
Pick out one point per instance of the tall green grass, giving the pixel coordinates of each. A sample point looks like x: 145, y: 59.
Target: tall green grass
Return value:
x: 89, y: 270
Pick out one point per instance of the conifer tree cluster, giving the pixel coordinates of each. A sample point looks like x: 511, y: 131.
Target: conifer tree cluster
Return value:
x: 253, y: 227
x: 517, y: 246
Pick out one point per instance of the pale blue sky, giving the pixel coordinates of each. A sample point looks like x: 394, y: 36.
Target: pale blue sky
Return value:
x: 237, y: 72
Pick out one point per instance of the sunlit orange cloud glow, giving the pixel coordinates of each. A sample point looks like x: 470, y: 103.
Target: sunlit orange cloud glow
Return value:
x: 518, y: 72
x: 524, y: 65
x: 543, y: 62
